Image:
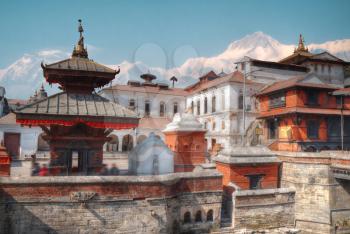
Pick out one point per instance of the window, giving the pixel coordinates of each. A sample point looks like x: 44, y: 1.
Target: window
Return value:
x: 187, y: 217
x: 329, y: 68
x: 210, y: 216
x: 155, y: 166
x: 254, y: 181
x: 192, y: 107
x: 147, y: 108
x: 240, y: 102
x: 213, y: 142
x: 198, y: 107
x: 213, y: 104
x: 277, y: 100
x: 316, y: 67
x: 312, y: 129
x: 312, y: 97
x: 223, y: 125
x: 223, y: 101
x: 175, y: 108
x: 272, y: 126
x: 161, y: 109
x: 205, y: 105
x: 214, y: 125
x: 338, y: 100
x: 243, y: 66
x: 322, y: 68
x: 132, y: 104
x: 198, y: 217
x: 205, y: 125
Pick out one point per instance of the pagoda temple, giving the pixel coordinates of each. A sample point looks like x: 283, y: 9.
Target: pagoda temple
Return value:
x: 77, y: 121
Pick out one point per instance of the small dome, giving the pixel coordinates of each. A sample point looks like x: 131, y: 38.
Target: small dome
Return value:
x: 151, y: 157
x: 185, y: 122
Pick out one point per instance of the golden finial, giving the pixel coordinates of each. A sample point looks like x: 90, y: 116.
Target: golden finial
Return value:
x: 301, y: 46
x: 79, y: 49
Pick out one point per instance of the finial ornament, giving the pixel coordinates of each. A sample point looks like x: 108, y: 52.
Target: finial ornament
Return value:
x: 80, y: 28
x: 301, y: 46
x: 79, y: 48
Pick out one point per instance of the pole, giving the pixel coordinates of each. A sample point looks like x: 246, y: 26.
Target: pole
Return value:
x: 244, y: 91
x: 341, y: 123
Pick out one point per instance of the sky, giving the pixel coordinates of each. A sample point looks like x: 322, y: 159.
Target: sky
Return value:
x: 131, y: 30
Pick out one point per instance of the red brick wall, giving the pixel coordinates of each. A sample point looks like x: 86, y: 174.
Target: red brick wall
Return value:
x: 237, y: 174
x: 189, y: 149
x: 135, y: 190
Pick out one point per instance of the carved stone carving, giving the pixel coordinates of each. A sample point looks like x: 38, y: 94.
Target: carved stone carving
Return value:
x: 82, y: 196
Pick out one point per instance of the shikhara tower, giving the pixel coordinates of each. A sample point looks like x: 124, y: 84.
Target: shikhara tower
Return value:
x: 77, y: 120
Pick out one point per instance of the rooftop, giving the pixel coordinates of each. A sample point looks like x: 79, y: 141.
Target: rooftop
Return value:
x: 246, y: 155
x: 299, y: 81
x: 184, y: 122
x: 234, y: 77
x: 74, y: 106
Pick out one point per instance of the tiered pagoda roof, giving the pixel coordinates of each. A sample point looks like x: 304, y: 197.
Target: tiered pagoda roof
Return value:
x: 77, y: 76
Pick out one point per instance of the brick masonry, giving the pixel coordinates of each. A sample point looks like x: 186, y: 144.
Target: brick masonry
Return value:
x: 116, y: 204
x: 264, y: 209
x: 322, y: 203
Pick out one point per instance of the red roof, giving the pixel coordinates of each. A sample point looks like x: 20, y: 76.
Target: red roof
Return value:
x: 148, y: 89
x: 303, y: 110
x: 235, y: 77
x: 294, y: 82
x: 344, y: 91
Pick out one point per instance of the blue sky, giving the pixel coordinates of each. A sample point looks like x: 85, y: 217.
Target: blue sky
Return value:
x: 118, y: 28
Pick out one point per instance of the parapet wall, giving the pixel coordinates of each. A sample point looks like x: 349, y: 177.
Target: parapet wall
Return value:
x: 264, y: 209
x: 322, y: 202
x: 113, y: 204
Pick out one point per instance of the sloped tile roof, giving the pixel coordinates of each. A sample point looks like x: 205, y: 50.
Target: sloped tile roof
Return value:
x: 293, y: 82
x: 79, y: 64
x: 74, y: 104
x: 8, y: 119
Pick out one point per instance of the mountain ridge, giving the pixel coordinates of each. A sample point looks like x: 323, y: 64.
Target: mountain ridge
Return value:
x: 24, y: 76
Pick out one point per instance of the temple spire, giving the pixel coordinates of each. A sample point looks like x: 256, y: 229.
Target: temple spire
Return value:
x: 79, y: 48
x: 301, y: 46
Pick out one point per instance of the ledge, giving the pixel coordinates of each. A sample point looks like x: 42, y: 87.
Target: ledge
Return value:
x: 264, y: 192
x: 167, y: 178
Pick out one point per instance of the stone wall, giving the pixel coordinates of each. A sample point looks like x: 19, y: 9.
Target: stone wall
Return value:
x: 263, y: 209
x: 322, y: 203
x: 114, y: 204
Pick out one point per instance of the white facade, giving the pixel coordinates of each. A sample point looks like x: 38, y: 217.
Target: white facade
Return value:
x: 151, y: 157
x: 162, y: 104
x: 224, y: 123
x: 28, y: 138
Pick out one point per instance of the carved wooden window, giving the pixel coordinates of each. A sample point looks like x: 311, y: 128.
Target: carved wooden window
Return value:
x: 254, y: 181
x: 312, y: 97
x: 312, y: 129
x: 277, y: 100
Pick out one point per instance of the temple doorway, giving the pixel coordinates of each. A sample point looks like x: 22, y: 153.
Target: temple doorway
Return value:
x: 12, y: 143
x: 77, y: 162
x: 127, y: 143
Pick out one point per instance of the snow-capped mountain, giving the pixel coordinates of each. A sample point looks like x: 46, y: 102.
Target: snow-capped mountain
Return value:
x: 24, y: 76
